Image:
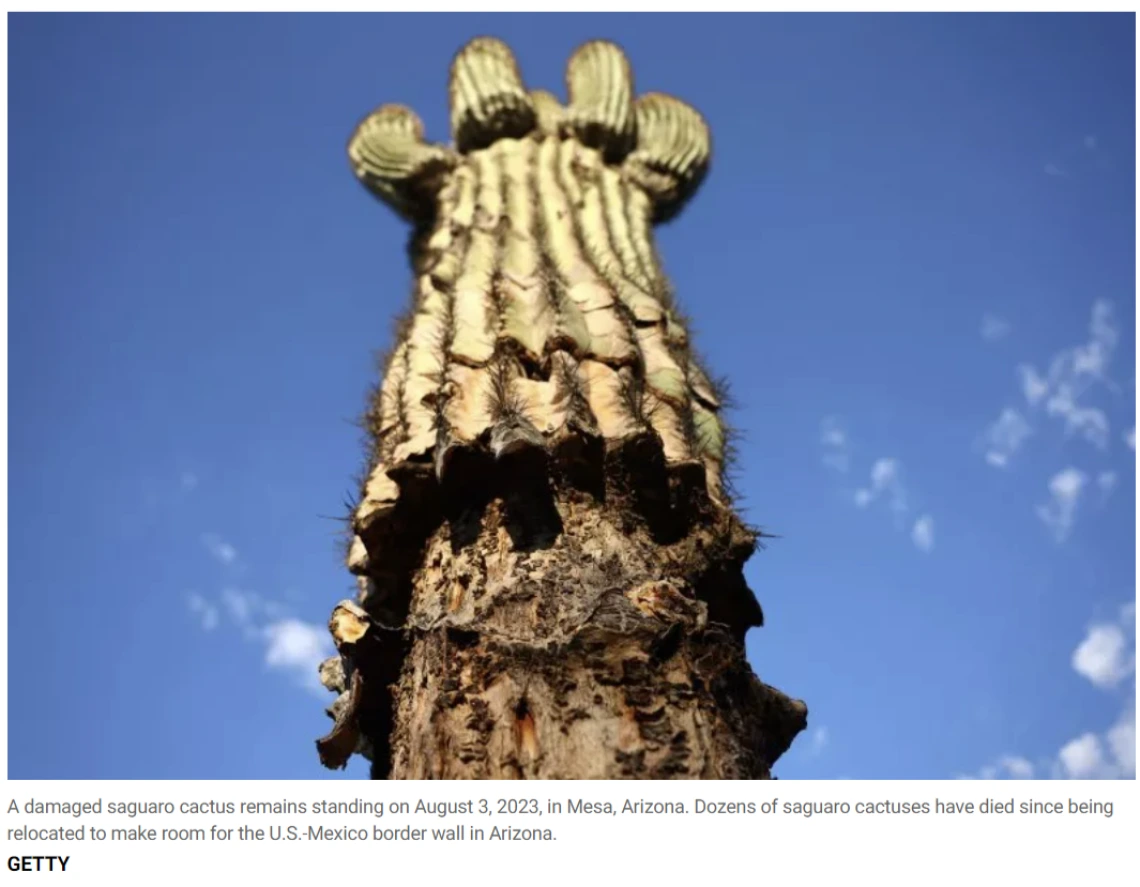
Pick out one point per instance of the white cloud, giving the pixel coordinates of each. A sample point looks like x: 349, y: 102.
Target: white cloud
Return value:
x: 1064, y: 490
x: 1067, y: 483
x: 1104, y: 656
x: 1072, y: 372
x: 248, y: 610
x: 204, y: 610
x: 1121, y: 741
x: 923, y: 533
x: 298, y: 648
x: 1102, y: 328
x: 833, y: 438
x: 1005, y: 437
x: 1017, y: 768
x: 884, y: 473
x: 1082, y: 758
x: 220, y: 550
x: 1090, y: 422
x: 994, y: 328
x: 1033, y: 386
x: 1130, y: 438
x: 1092, y: 358
x: 885, y: 483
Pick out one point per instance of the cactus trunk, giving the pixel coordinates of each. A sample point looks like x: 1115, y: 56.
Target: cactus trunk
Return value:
x: 549, y: 563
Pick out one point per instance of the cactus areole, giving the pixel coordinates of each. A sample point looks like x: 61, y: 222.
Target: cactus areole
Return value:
x: 550, y: 569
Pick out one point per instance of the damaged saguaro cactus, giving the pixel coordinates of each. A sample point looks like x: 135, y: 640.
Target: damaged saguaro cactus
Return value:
x: 550, y: 568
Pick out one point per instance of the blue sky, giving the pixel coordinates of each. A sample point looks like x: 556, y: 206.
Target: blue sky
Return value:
x: 914, y: 257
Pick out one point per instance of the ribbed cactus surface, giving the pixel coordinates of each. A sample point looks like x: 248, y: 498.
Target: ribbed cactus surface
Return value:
x: 544, y: 515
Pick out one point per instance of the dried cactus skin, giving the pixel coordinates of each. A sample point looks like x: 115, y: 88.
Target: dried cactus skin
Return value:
x: 548, y: 558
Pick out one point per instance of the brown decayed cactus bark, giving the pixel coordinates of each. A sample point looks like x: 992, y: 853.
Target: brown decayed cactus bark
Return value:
x: 549, y: 563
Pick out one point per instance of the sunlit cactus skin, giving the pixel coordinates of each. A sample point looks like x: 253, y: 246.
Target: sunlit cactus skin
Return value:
x: 549, y: 563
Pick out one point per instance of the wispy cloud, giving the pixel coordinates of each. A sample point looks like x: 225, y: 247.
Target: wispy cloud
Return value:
x: 248, y: 610
x: 922, y: 534
x: 219, y: 549
x: 291, y: 645
x: 994, y: 328
x: 206, y: 612
x: 886, y: 483
x: 1130, y: 438
x: 1061, y: 392
x: 1033, y: 386
x: 1091, y: 423
x: 833, y: 440
x: 1064, y: 491
x: 1072, y: 373
x: 1005, y: 436
x: 1051, y: 169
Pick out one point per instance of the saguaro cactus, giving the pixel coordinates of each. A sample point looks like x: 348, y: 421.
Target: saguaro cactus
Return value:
x: 549, y: 564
